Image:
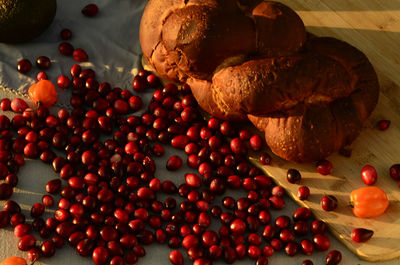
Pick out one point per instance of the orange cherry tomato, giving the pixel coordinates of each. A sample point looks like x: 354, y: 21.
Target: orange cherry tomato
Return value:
x: 13, y: 261
x: 43, y: 93
x: 368, y: 202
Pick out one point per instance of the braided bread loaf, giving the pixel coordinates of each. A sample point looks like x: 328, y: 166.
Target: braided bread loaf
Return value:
x: 254, y: 60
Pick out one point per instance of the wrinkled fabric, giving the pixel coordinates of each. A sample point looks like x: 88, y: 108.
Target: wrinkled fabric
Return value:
x: 111, y: 40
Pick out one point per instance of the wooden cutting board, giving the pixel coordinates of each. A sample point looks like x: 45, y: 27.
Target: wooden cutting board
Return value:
x: 373, y: 27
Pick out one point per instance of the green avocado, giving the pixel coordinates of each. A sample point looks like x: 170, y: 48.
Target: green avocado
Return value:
x: 24, y: 20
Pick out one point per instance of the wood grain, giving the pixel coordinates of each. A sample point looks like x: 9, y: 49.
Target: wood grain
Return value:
x: 374, y: 28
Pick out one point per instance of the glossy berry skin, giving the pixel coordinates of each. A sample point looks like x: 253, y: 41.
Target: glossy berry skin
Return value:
x: 100, y: 255
x: 293, y: 176
x: 303, y: 192
x: 394, y: 171
x: 24, y: 66
x: 329, y: 203
x: 369, y: 175
x: 43, y: 62
x: 90, y: 10
x: 324, y: 167
x: 80, y: 55
x: 383, y: 125
x: 361, y: 235
x: 321, y: 242
x: 176, y: 257
x: 334, y: 257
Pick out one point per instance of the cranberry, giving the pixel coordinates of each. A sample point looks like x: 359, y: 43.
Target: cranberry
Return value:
x: 324, y: 167
x: 265, y: 159
x: 302, y: 213
x: 276, y: 202
x: 176, y: 257
x: 318, y: 227
x: 174, y: 163
x: 394, y: 171
x: 383, y: 125
x: 24, y: 66
x: 329, y: 203
x: 18, y: 105
x: 26, y: 242
x: 361, y: 234
x: 43, y: 62
x: 33, y: 255
x: 238, y: 226
x: 321, y: 242
x: 303, y: 193
x: 5, y: 104
x: 6, y: 190
x: 80, y: 55
x: 369, y: 175
x: 238, y: 146
x: 66, y: 34
x: 22, y: 229
x: 41, y: 76
x: 334, y: 257
x: 65, y: 48
x: 100, y: 255
x: 63, y: 81
x: 300, y: 227
x: 291, y: 249
x: 139, y: 83
x: 256, y: 142
x: 90, y: 10
x: 307, y: 262
x: 48, y: 248
x: 37, y: 210
x: 75, y: 70
x: 253, y: 252
x: 307, y: 247
x: 278, y: 191
x: 193, y: 180
x: 293, y: 176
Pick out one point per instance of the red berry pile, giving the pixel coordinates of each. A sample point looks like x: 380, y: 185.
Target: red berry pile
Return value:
x: 107, y: 199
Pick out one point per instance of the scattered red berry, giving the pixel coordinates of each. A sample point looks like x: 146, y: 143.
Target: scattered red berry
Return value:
x: 369, y: 175
x: 361, y: 235
x: 329, y: 203
x: 324, y: 167
x: 383, y: 125
x: 90, y: 10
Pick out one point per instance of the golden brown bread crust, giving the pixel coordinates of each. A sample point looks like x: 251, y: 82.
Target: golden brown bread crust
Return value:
x: 253, y: 59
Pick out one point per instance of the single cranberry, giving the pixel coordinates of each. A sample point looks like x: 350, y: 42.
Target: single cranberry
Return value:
x: 66, y: 34
x: 152, y: 80
x: 100, y: 255
x: 307, y: 262
x: 238, y: 226
x: 63, y: 81
x: 42, y: 76
x: 26, y: 242
x: 276, y: 202
x: 302, y: 213
x: 193, y: 180
x: 300, y: 227
x: 238, y: 146
x: 278, y: 191
x: 5, y: 104
x: 307, y: 247
x: 369, y: 175
x: 90, y: 10
x: 43, y: 62
x: 174, y: 163
x: 48, y: 248
x: 6, y: 190
x: 18, y: 105
x: 256, y: 142
x: 361, y: 234
x: 75, y: 70
x: 22, y: 229
x: 329, y: 203
x: 394, y: 171
x: 321, y: 242
x: 324, y: 167
x: 24, y: 66
x: 383, y: 125
x: 303, y: 193
x: 291, y: 249
x: 318, y: 227
x: 293, y: 176
x: 334, y: 257
x: 80, y: 55
x: 65, y: 48
x: 33, y: 255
